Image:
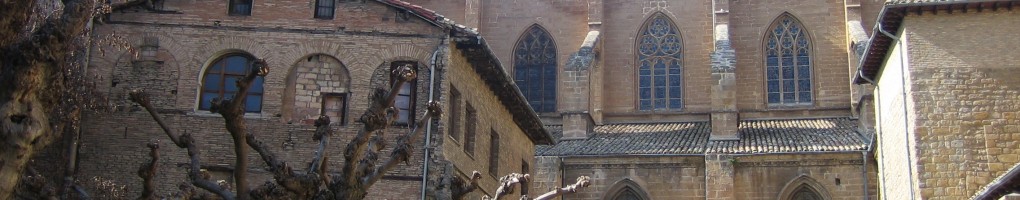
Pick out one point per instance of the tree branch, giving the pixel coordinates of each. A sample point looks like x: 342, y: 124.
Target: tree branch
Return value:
x: 359, y: 151
x: 582, y: 182
x: 405, y: 145
x: 507, y: 184
x: 461, y: 188
x: 148, y: 171
x: 183, y: 141
x: 322, y: 133
x: 232, y: 111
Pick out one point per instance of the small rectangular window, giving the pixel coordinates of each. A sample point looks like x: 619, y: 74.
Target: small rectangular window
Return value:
x: 324, y: 9
x: 494, y: 153
x: 469, y: 129
x: 240, y: 7
x: 334, y: 105
x: 455, y: 113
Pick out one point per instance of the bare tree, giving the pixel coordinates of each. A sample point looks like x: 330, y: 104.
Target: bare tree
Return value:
x: 42, y: 81
x: 361, y: 167
x: 41, y: 93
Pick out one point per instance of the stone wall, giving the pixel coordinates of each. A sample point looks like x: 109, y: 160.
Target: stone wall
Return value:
x: 832, y: 175
x: 621, y: 23
x: 824, y: 21
x: 516, y: 150
x: 651, y: 177
x: 502, y: 23
x: 964, y: 88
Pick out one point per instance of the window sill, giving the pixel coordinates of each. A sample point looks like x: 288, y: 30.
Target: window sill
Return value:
x: 469, y: 154
x: 663, y: 111
x: 203, y: 113
x: 789, y: 106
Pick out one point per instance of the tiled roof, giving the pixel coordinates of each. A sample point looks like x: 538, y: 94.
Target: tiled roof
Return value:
x: 622, y: 139
x: 901, y: 2
x: 756, y: 136
x: 424, y: 13
x: 797, y: 135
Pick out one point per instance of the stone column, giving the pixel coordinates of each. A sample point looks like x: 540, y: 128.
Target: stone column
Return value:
x: 724, y: 107
x: 719, y: 177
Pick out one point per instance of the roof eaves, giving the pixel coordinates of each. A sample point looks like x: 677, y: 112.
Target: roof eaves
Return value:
x: 421, y: 12
x: 1000, y: 186
x: 892, y: 16
x: 511, y: 96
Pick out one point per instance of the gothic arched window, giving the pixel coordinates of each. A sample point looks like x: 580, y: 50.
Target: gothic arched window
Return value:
x: 788, y: 63
x: 219, y: 81
x: 535, y: 68
x: 805, y: 192
x: 627, y: 194
x: 660, y: 60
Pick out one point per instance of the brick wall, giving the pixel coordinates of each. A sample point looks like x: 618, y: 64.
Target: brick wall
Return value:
x: 113, y: 141
x: 964, y: 87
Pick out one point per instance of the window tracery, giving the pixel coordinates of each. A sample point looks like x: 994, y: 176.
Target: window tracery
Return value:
x: 660, y: 57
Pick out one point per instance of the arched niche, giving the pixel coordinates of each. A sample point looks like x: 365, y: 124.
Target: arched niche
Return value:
x: 313, y: 82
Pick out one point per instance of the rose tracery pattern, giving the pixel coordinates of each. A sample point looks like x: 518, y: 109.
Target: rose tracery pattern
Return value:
x: 660, y: 54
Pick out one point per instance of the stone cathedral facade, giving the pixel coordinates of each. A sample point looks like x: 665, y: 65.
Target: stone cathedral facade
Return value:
x: 689, y: 99
x: 652, y: 99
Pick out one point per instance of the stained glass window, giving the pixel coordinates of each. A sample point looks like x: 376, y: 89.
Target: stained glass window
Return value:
x: 535, y: 69
x: 788, y: 63
x: 220, y: 81
x: 660, y: 54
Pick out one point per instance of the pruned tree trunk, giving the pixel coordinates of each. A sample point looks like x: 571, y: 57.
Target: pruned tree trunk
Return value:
x: 509, y: 182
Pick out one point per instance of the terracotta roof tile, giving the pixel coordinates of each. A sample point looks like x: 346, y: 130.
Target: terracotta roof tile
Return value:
x: 795, y: 135
x: 623, y: 139
x: 756, y: 136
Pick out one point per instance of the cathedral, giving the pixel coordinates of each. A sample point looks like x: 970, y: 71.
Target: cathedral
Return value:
x: 652, y: 99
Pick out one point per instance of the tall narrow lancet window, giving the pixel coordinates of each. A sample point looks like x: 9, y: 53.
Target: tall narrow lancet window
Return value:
x: 535, y: 69
x: 220, y: 81
x: 660, y: 63
x: 788, y: 63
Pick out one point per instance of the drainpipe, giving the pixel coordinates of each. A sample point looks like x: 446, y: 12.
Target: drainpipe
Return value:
x: 906, y: 124
x: 864, y: 167
x: 428, y: 126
